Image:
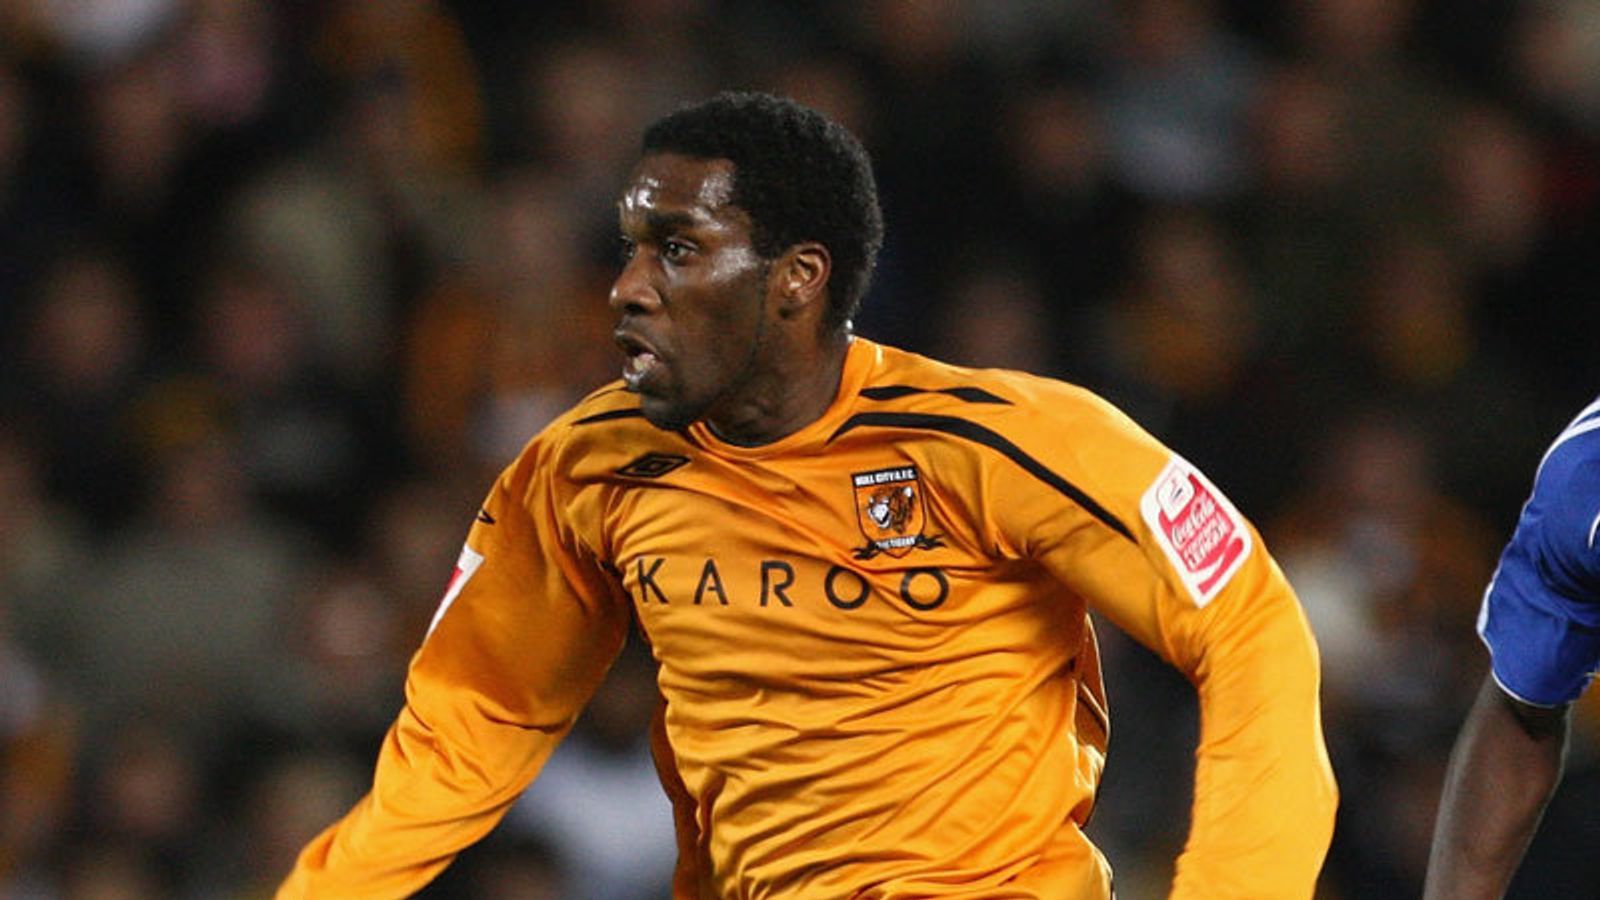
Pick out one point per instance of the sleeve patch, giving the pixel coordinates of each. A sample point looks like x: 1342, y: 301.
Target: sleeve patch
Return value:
x: 465, y: 566
x: 1200, y: 532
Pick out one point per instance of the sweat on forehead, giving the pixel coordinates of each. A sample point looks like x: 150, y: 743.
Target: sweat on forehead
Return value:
x: 687, y: 185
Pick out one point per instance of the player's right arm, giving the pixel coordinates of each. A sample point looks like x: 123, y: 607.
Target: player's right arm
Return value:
x: 522, y: 638
x: 1502, y: 772
x: 1541, y: 622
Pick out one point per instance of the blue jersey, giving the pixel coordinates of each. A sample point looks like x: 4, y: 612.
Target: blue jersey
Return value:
x: 1541, y: 612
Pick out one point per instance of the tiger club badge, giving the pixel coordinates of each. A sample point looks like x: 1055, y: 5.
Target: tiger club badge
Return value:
x: 890, y: 512
x: 1203, y: 536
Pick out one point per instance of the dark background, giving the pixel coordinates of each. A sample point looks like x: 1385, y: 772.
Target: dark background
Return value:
x: 283, y: 285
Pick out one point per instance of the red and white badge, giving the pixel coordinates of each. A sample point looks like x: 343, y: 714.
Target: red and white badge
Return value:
x: 468, y: 563
x: 1204, y: 537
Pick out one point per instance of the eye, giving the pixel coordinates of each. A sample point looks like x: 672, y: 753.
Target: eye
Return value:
x: 674, y: 250
x: 626, y: 248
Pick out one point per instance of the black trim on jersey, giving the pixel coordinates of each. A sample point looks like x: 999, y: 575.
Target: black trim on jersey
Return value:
x: 608, y: 415
x: 972, y: 431
x: 896, y: 391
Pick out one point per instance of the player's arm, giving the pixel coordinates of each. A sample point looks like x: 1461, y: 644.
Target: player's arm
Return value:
x: 1264, y: 793
x: 1506, y: 763
x: 1541, y: 622
x: 523, y: 637
x: 1174, y: 565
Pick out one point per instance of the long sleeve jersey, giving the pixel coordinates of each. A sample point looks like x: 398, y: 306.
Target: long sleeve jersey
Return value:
x: 878, y: 669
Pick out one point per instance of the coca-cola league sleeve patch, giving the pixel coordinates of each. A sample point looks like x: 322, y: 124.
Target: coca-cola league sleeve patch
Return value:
x: 466, y: 566
x: 1201, y: 533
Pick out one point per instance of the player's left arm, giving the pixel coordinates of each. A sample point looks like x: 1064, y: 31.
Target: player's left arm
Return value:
x: 1172, y: 562
x: 1264, y: 795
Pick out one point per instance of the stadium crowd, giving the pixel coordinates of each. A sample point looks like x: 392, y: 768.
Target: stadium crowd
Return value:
x: 284, y: 285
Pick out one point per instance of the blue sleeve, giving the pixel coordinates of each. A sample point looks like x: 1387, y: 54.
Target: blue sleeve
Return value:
x: 1541, y: 613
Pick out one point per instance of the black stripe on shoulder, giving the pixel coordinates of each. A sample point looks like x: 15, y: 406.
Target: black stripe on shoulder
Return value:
x: 890, y: 392
x: 608, y: 415
x: 896, y: 391
x: 975, y: 395
x: 972, y: 431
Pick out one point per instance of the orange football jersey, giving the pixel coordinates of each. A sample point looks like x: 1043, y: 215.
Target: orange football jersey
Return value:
x: 879, y: 674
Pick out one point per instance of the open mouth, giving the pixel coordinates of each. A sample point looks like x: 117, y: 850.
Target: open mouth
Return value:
x: 641, y: 359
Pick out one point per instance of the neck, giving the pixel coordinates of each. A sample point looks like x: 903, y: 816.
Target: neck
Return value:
x: 793, y: 390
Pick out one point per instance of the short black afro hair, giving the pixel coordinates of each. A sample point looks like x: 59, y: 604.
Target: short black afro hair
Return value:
x: 799, y: 176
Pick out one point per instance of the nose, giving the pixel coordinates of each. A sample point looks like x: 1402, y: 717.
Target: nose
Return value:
x: 632, y: 292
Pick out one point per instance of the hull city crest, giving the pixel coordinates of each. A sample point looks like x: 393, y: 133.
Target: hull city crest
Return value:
x: 889, y: 510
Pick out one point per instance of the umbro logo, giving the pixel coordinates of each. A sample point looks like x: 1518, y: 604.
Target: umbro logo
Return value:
x: 653, y: 465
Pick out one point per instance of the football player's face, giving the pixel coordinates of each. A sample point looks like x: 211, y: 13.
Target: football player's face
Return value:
x: 692, y: 293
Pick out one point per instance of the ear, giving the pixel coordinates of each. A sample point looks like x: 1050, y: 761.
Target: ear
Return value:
x: 800, y: 279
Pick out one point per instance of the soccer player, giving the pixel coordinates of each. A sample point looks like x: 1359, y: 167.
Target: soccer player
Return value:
x: 1541, y: 622
x: 866, y: 576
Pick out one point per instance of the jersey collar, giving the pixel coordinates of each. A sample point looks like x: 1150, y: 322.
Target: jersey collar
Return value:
x: 861, y: 358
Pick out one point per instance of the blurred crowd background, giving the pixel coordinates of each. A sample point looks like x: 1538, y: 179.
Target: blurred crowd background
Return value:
x: 284, y: 284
